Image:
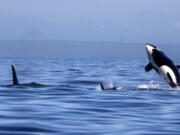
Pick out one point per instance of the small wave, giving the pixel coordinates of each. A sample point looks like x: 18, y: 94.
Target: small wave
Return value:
x: 177, y: 88
x: 119, y: 88
x: 148, y: 86
x: 153, y: 85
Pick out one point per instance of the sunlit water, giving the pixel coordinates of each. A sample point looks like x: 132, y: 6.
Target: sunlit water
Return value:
x: 66, y: 99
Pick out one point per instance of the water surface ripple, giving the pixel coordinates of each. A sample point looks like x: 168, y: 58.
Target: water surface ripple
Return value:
x: 67, y: 102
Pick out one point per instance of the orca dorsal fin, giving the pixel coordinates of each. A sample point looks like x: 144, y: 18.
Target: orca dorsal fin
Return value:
x: 101, y: 86
x: 178, y: 66
x: 148, y: 67
x: 15, y: 80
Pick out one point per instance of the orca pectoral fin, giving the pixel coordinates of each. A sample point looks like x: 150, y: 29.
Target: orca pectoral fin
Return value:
x: 178, y: 66
x: 15, y: 80
x: 148, y: 67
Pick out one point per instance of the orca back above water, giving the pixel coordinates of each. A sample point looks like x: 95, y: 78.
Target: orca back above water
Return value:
x: 162, y: 65
x: 101, y: 87
x: 16, y: 81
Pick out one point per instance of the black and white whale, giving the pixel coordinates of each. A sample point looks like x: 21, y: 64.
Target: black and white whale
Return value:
x: 16, y: 82
x: 162, y: 65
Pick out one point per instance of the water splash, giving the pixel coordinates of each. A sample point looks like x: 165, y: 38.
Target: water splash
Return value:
x: 98, y: 88
x: 177, y: 88
x: 151, y: 85
x: 109, y: 82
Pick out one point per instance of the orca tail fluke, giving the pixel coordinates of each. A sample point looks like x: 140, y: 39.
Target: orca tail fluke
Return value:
x: 15, y: 80
x: 101, y: 86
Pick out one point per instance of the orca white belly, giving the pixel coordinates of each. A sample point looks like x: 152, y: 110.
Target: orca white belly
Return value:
x: 164, y: 71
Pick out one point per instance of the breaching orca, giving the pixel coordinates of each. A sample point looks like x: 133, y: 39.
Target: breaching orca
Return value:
x: 162, y: 65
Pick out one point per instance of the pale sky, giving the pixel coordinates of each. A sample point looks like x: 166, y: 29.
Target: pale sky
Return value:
x: 91, y: 20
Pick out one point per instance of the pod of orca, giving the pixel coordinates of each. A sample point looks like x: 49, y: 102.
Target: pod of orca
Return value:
x: 157, y: 61
x: 161, y: 64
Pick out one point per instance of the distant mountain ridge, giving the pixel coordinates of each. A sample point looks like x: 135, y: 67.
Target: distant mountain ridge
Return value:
x: 144, y: 27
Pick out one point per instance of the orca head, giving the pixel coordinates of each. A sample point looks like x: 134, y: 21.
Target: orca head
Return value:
x: 150, y: 49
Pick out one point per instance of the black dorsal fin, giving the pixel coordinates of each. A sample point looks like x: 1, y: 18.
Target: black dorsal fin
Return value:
x: 101, y: 85
x: 15, y: 80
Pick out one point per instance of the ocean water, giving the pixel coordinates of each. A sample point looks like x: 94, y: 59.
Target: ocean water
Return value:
x: 65, y: 99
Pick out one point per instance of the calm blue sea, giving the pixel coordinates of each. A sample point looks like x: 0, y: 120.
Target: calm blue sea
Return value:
x: 65, y: 99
